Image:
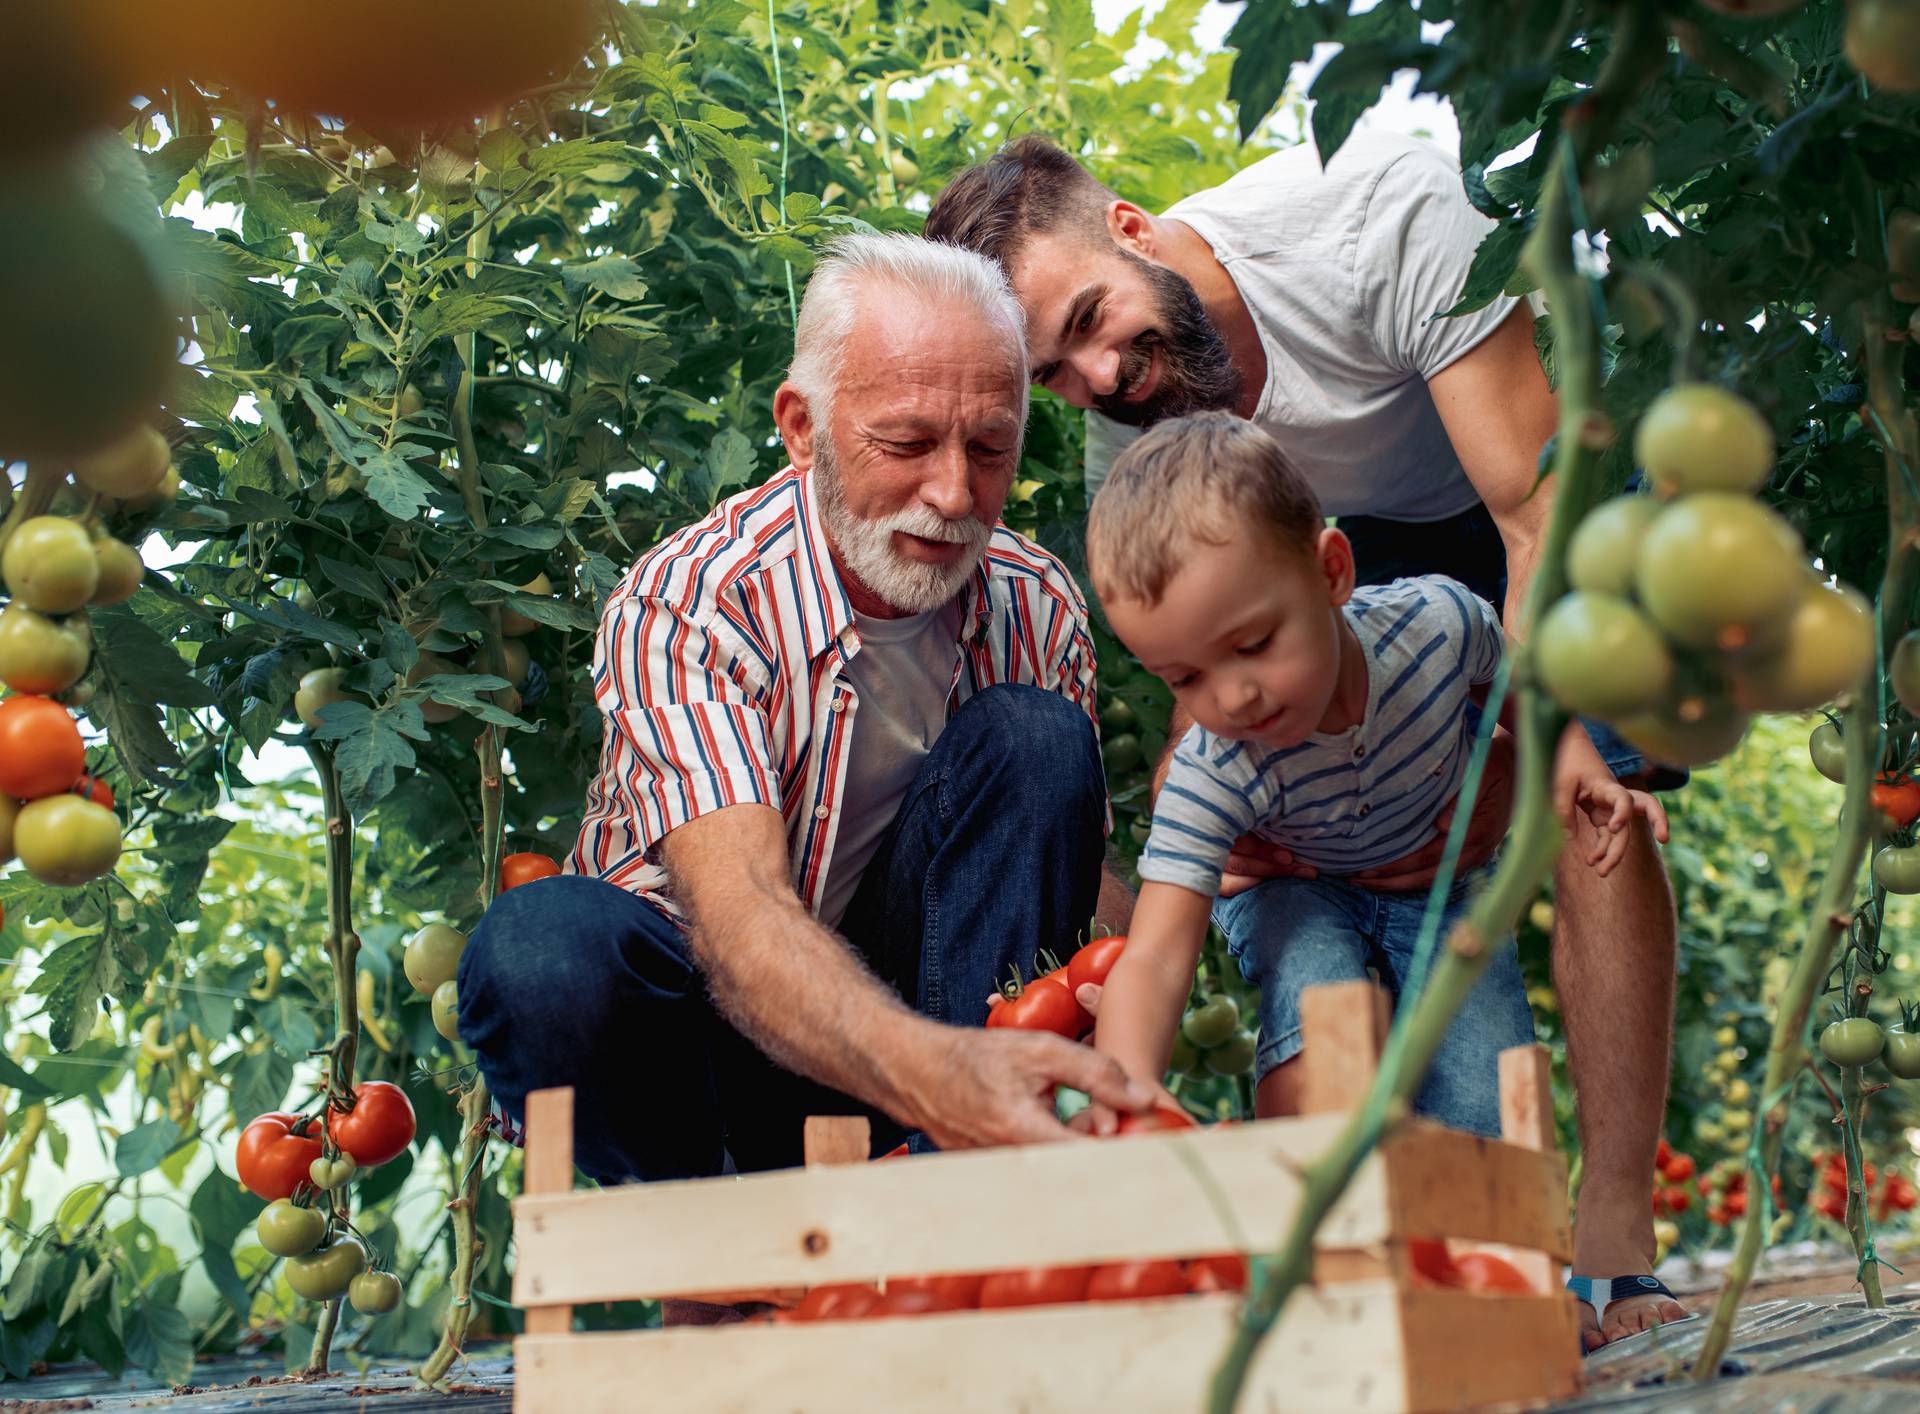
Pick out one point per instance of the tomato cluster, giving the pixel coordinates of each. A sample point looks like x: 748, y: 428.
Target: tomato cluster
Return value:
x: 1671, y: 1171
x: 431, y: 962
x: 1022, y: 1286
x: 1048, y: 1002
x: 1857, y: 1041
x: 279, y: 1154
x: 1694, y: 607
x: 1895, y: 1192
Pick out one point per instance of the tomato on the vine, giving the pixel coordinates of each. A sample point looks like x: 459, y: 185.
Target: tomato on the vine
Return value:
x: 1212, y: 1022
x: 1039, y: 1005
x: 287, y: 1231
x: 378, y: 1127
x: 1093, y: 962
x: 275, y: 1154
x: 1897, y: 798
x: 1034, y: 1286
x: 40, y: 748
x: 323, y: 1275
x: 518, y: 869
x: 1678, y: 1200
x: 66, y: 841
x: 1829, y: 752
x: 1678, y: 1168
x: 374, y: 1293
x: 1854, y: 1042
x: 1903, y: 1054
x: 94, y: 789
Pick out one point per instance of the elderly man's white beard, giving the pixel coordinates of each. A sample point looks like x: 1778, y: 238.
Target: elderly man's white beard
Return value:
x: 866, y: 546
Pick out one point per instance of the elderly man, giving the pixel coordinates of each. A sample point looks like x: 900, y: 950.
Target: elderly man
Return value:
x: 1306, y: 300
x: 850, y: 777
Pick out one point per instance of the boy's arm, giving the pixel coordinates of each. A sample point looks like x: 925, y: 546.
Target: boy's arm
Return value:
x: 1145, y: 994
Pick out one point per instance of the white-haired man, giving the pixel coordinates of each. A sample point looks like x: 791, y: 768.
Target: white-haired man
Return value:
x: 850, y: 776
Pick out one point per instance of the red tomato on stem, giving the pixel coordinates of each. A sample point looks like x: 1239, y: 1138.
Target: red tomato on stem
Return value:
x: 1679, y: 1200
x: 1678, y: 1168
x: 274, y: 1153
x: 1039, y: 1005
x: 1898, y: 798
x: 518, y: 869
x: 40, y: 748
x: 94, y: 789
x: 1093, y: 962
x: 378, y: 1127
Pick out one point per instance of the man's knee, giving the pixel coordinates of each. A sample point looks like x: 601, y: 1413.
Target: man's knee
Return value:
x: 1031, y: 741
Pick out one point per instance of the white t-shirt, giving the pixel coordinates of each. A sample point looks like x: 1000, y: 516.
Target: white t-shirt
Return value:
x: 900, y: 678
x: 1342, y: 271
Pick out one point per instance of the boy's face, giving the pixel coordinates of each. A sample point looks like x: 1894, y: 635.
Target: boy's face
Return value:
x: 1247, y: 635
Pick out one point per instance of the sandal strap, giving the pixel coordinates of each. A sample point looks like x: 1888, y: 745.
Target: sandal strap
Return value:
x: 1602, y: 1292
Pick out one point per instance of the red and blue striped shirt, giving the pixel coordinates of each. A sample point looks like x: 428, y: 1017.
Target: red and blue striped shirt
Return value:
x: 720, y: 668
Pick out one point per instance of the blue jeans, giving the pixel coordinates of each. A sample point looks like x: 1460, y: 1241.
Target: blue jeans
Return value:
x: 1468, y: 547
x: 995, y: 853
x: 1288, y: 934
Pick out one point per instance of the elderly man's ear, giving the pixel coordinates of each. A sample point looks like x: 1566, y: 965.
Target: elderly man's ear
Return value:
x: 795, y: 420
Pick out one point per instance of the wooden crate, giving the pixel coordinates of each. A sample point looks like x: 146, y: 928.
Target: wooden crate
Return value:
x: 1361, y: 1339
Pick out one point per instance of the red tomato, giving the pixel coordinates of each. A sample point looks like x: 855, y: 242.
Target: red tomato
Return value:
x: 94, y: 789
x: 1484, y: 1272
x: 1083, y: 1016
x: 837, y: 1301
x: 896, y: 1152
x: 1830, y: 1205
x: 378, y: 1127
x: 1679, y: 1200
x: 960, y: 1290
x: 40, y: 748
x: 271, y: 1158
x: 1433, y: 1263
x: 1034, y: 1286
x: 1737, y: 1203
x: 1834, y: 1176
x: 1136, y: 1281
x: 518, y: 869
x: 1155, y: 1120
x: 1041, y: 1005
x: 1678, y: 1168
x: 1662, y: 1154
x: 1224, y: 1271
x: 1902, y: 1194
x: 1898, y: 798
x: 909, y: 1301
x: 1717, y: 1215
x: 1093, y: 962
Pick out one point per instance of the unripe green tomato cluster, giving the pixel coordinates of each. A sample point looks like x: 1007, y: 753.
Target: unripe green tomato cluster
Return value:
x: 1211, y: 1041
x: 431, y: 963
x: 1695, y: 607
x: 1859, y: 1041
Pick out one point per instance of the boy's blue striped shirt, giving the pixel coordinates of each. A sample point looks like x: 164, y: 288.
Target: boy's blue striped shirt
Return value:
x: 1365, y: 796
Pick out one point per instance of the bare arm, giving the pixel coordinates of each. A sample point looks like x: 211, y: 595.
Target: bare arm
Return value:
x: 801, y: 995
x: 1146, y: 992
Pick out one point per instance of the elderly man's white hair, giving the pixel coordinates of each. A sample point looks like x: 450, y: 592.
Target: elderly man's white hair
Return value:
x: 913, y: 269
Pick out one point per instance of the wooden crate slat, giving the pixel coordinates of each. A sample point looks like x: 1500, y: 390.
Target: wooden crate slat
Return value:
x: 1465, y: 1351
x: 1336, y: 1350
x: 1044, y: 1204
x: 1447, y: 1184
x: 549, y: 1169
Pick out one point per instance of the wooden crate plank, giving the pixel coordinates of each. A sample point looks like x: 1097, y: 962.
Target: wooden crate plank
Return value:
x: 1447, y: 1184
x: 1526, y: 1119
x: 1332, y: 1351
x: 1167, y: 1195
x: 1466, y: 1351
x: 836, y: 1139
x: 1343, y: 1026
x: 549, y: 1169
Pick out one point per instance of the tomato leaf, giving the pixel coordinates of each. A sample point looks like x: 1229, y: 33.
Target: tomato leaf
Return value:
x: 159, y: 1340
x: 260, y: 1082
x: 76, y: 975
x: 141, y: 1148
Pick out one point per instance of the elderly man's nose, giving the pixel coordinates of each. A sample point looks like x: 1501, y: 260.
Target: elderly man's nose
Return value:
x: 949, y: 489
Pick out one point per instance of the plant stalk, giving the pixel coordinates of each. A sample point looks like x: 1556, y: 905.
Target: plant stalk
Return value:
x: 1536, y: 836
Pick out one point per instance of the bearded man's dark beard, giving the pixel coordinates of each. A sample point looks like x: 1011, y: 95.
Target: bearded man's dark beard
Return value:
x: 1197, y: 373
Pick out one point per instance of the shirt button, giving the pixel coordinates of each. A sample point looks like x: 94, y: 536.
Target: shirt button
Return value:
x: 1359, y: 750
x: 819, y: 812
x: 1364, y: 811
x: 839, y: 704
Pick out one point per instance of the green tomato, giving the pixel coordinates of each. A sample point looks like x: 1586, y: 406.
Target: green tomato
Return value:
x: 1185, y: 1055
x: 319, y: 688
x: 1829, y: 752
x: 1679, y: 741
x: 1117, y: 717
x: 132, y: 466
x: 374, y: 1293
x: 446, y: 1009
x: 323, y: 1275
x: 1606, y: 545
x: 1828, y: 648
x: 287, y: 1231
x: 1903, y: 1054
x: 1233, y: 1056
x: 433, y: 957
x: 1600, y: 656
x: 1903, y: 668
x: 1898, y: 870
x: 41, y: 655
x: 1853, y: 1042
x: 1211, y: 1023
x: 331, y: 1173
x: 1720, y: 571
x: 1122, y: 753
x: 1696, y: 437
x: 49, y: 565
x: 121, y: 571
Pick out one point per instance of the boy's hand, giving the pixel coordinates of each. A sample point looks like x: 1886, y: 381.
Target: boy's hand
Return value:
x: 1610, y: 808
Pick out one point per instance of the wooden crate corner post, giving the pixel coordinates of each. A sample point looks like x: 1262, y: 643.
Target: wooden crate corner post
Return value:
x: 1526, y: 1120
x: 549, y: 1169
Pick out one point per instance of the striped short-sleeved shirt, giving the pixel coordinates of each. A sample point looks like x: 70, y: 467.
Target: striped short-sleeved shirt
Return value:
x: 1356, y: 799
x: 720, y: 667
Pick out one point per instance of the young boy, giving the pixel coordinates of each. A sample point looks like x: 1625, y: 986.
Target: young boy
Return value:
x: 1330, y: 719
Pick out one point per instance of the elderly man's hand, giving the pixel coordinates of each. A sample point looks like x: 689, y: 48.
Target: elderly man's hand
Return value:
x: 996, y: 1087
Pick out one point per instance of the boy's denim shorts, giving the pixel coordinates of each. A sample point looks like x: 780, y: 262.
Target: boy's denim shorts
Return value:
x: 1289, y: 934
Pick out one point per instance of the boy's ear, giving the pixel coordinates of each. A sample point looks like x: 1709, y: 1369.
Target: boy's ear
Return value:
x: 1335, y: 553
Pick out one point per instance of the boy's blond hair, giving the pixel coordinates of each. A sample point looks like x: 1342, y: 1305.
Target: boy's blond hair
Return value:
x: 1193, y: 480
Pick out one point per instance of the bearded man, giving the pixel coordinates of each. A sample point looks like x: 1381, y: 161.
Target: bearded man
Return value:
x: 1310, y: 301
x: 850, y: 777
